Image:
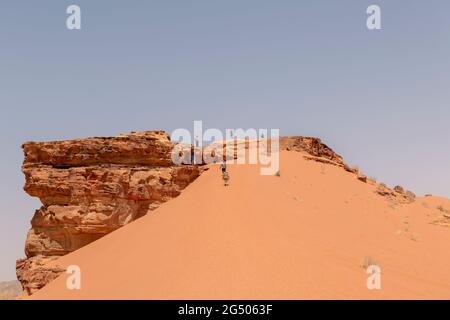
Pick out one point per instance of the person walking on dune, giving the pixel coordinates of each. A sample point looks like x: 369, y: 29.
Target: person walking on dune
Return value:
x: 226, y: 178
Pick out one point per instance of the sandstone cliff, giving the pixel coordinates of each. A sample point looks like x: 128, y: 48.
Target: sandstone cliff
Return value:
x: 91, y: 187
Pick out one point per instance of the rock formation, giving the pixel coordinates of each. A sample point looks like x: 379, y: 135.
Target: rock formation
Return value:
x: 91, y: 187
x: 314, y: 147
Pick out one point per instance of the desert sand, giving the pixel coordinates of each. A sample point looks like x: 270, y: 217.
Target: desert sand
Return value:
x: 305, y: 234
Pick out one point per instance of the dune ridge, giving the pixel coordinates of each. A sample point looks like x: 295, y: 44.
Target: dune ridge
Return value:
x: 306, y: 233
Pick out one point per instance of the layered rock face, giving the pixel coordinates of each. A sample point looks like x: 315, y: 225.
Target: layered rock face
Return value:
x: 91, y: 187
x: 312, y: 146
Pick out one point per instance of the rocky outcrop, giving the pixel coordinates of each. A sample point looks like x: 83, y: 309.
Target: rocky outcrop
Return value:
x: 33, y: 273
x: 396, y: 195
x: 150, y: 148
x: 317, y: 151
x: 91, y: 187
x: 314, y: 147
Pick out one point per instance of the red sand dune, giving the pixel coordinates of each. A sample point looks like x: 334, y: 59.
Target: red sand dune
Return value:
x: 303, y: 235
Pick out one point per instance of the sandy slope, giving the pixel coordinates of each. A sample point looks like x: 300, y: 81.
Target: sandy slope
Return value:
x: 299, y: 236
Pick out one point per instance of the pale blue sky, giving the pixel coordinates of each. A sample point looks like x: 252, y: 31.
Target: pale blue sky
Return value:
x: 380, y: 98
